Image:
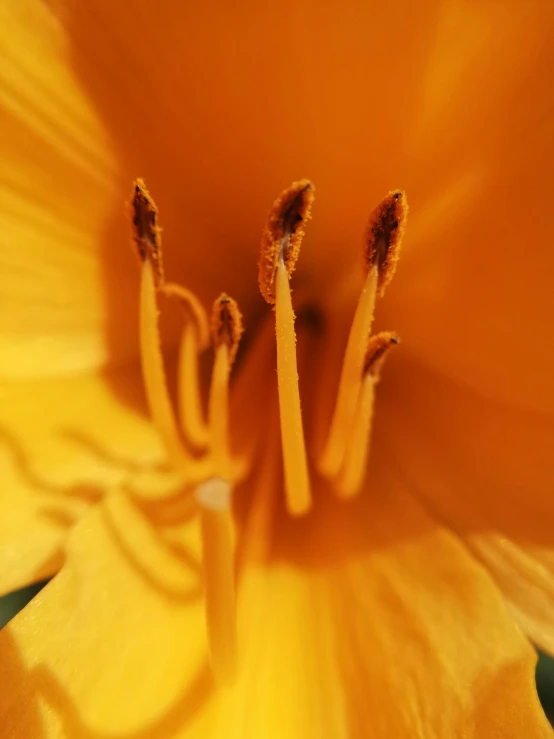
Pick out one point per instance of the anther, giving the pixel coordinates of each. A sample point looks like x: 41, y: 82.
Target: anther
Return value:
x: 227, y: 327
x: 377, y: 348
x: 146, y: 231
x: 384, y: 233
x: 283, y: 234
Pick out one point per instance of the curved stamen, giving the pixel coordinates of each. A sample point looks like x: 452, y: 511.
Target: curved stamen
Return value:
x: 147, y: 239
x: 227, y: 330
x: 382, y: 245
x: 349, y: 383
x: 353, y: 471
x: 195, y: 338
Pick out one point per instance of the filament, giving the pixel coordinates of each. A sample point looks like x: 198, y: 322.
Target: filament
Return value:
x: 349, y: 384
x: 214, y: 499
x: 297, y: 481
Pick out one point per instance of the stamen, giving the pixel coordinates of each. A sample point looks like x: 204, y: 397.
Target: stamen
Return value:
x: 377, y: 349
x: 227, y: 330
x: 214, y: 499
x: 195, y: 337
x: 227, y: 327
x: 279, y: 251
x: 353, y: 471
x: 383, y: 238
x: 146, y: 231
x: 148, y: 242
x: 349, y: 384
x: 384, y: 233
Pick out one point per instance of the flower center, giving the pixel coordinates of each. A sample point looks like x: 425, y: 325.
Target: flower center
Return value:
x: 200, y: 448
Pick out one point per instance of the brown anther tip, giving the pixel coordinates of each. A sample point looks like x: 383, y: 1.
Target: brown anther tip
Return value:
x: 283, y: 233
x: 146, y: 231
x: 384, y: 233
x: 227, y: 327
x: 377, y: 348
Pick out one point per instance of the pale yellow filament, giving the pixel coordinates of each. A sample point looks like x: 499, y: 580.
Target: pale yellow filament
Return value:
x: 297, y: 481
x: 154, y: 379
x: 334, y: 452
x: 352, y: 475
x: 219, y: 411
x: 214, y: 498
x: 190, y: 403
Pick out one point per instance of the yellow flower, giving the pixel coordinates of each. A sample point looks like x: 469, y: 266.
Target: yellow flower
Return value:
x: 389, y: 615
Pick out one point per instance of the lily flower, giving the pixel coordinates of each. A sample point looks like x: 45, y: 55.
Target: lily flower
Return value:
x: 271, y: 522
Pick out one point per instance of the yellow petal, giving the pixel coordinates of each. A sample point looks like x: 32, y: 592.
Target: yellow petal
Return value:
x: 368, y: 620
x: 372, y: 621
x: 63, y: 443
x: 131, y: 648
x: 525, y: 573
x: 63, y: 248
x: 486, y: 469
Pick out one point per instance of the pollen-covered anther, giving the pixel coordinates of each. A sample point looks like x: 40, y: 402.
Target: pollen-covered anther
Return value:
x: 377, y: 348
x: 146, y: 231
x: 283, y: 234
x: 384, y: 233
x: 226, y: 325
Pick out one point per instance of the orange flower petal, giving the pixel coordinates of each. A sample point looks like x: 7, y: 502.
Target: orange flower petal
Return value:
x: 486, y: 469
x: 366, y: 601
x: 359, y: 98
x: 63, y: 443
x: 424, y: 97
x: 473, y: 295
x: 254, y: 99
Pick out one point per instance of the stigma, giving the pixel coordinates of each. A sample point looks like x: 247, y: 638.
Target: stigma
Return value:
x: 198, y: 437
